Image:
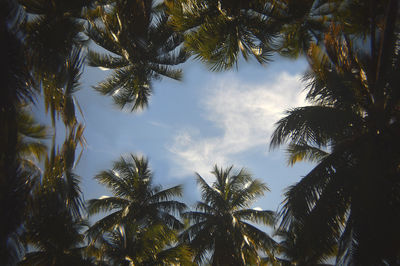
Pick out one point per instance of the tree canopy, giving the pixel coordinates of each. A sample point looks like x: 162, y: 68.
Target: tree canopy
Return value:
x: 347, y: 206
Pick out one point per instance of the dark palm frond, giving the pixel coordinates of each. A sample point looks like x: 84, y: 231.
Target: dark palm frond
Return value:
x: 105, y: 204
x: 105, y: 60
x: 304, y: 152
x: 324, y: 224
x: 257, y: 216
x: 313, y: 124
x: 101, y: 37
x: 258, y: 237
x: 165, y: 194
x: 103, y: 225
x: 307, y: 191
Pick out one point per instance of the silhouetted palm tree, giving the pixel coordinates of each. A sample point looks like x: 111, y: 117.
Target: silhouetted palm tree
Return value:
x: 15, y: 91
x: 54, y: 34
x: 351, y: 131
x: 142, y: 46
x: 53, y: 227
x: 219, y: 224
x: 135, y: 199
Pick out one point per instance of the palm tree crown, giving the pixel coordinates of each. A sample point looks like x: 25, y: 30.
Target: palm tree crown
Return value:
x: 136, y: 199
x: 219, y: 223
x: 53, y: 220
x: 218, y: 32
x: 142, y: 47
x: 153, y: 245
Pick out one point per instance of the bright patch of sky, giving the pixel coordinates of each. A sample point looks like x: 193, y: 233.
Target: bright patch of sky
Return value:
x: 245, y: 114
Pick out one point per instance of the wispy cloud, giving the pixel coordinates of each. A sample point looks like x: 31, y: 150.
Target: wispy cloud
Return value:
x: 245, y: 114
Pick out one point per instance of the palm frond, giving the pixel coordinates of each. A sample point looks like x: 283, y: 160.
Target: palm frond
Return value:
x: 110, y: 179
x: 303, y: 152
x: 307, y: 191
x: 103, y: 225
x: 315, y: 125
x: 167, y: 194
x: 105, y: 204
x: 96, y: 59
x: 256, y: 216
x: 258, y: 237
x: 250, y: 191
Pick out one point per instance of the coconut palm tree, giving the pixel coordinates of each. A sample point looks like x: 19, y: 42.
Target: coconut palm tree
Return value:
x: 154, y: 245
x: 142, y: 47
x: 218, y: 32
x: 135, y: 199
x: 53, y: 227
x: 54, y: 36
x: 220, y: 225
x: 350, y: 130
x: 54, y: 234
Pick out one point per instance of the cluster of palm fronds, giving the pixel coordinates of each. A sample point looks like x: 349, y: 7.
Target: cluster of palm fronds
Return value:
x: 348, y: 206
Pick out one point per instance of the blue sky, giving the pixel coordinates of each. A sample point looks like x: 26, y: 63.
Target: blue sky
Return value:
x: 225, y: 118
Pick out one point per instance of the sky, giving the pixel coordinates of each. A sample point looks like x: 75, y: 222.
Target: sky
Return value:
x: 208, y: 118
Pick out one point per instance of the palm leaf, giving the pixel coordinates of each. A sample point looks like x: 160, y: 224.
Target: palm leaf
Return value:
x: 304, y: 152
x: 106, y: 204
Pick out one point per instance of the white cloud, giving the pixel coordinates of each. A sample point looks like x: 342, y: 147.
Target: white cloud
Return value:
x: 246, y: 115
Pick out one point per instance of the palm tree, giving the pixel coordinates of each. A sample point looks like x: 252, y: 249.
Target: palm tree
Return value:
x: 52, y: 231
x: 16, y: 91
x: 136, y: 200
x: 53, y: 30
x: 350, y: 130
x: 218, y: 32
x: 154, y: 245
x: 54, y: 37
x: 219, y: 225
x: 53, y: 227
x: 141, y: 45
